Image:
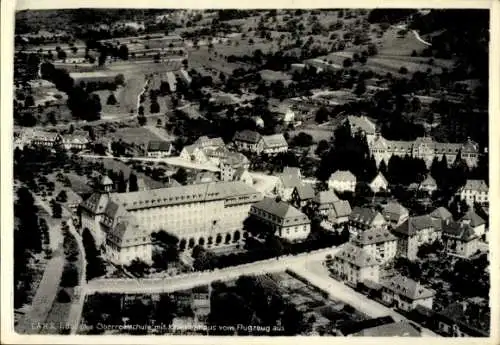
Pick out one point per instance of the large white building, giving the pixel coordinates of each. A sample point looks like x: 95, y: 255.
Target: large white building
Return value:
x: 209, y: 213
x: 474, y: 191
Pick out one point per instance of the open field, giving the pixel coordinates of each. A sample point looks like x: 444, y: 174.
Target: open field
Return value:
x: 269, y: 75
x: 139, y: 135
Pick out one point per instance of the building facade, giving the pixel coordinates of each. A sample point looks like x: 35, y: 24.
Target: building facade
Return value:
x: 405, y: 293
x: 379, y: 243
x: 474, y: 191
x: 414, y: 232
x: 196, y: 214
x: 285, y: 220
x: 342, y: 181
x: 355, y: 265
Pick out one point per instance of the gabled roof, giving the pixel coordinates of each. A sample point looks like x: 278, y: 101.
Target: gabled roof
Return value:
x: 364, y: 215
x: 372, y: 236
x: 247, y: 136
x: 106, y: 181
x: 381, y: 178
x: 342, y: 175
x: 429, y: 181
x: 407, y: 287
x: 414, y: 224
x: 191, y: 148
x: 474, y: 219
x: 205, y: 141
x: 325, y: 197
x: 396, y: 329
x: 305, y: 191
x: 96, y: 203
x: 114, y: 210
x: 457, y: 230
x: 128, y: 232
x: 441, y: 213
x: 185, y: 194
x: 476, y: 185
x: 159, y: 145
x: 286, y: 213
x: 275, y: 140
x: 357, y: 256
x: 393, y: 211
x: 289, y: 180
x: 341, y: 208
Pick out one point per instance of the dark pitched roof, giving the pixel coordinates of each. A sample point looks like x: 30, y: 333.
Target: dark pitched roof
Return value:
x: 441, y: 213
x: 158, y: 145
x: 407, y: 287
x: 282, y: 210
x: 364, y: 215
x: 414, y: 224
x: 396, y: 329
x: 325, y: 197
x: 458, y: 230
x: 247, y: 136
x: 305, y: 191
x: 351, y: 327
x: 394, y: 210
x: 357, y: 256
x: 341, y: 208
x: 96, y: 203
x: 474, y: 219
x: 371, y: 236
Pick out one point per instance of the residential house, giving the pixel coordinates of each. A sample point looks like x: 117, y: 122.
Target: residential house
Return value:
x: 354, y: 265
x: 414, y: 232
x: 405, y: 293
x: 285, y: 220
x: 338, y: 214
x: 428, y: 185
x: 459, y: 238
x: 396, y: 329
x: 258, y: 121
x: 379, y: 242
x: 293, y: 171
x: 243, y: 175
x: 361, y: 124
x: 379, y: 184
x: 395, y: 213
x: 286, y: 183
x: 302, y: 194
x: 323, y: 201
x: 205, y: 142
x: 193, y: 153
x: 474, y: 191
x: 159, y: 149
x: 441, y: 213
x: 78, y: 140
x: 274, y: 144
x: 455, y: 320
x: 475, y: 221
x: 247, y: 140
x: 342, y: 181
x: 231, y: 163
x: 46, y: 139
x: 364, y: 218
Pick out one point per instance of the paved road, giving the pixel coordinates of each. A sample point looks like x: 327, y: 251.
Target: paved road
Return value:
x: 45, y: 295
x: 264, y: 183
x: 417, y: 36
x: 187, y: 281
x: 317, y: 274
x: 176, y: 161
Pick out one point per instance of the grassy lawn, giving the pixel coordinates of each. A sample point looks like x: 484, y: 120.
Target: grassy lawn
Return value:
x: 269, y: 75
x: 138, y: 135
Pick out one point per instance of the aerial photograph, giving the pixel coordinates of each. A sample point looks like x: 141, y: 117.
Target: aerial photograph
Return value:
x: 257, y: 172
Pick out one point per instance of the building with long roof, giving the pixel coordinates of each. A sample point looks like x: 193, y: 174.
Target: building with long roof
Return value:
x: 196, y: 214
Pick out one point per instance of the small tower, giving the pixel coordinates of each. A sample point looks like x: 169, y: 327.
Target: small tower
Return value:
x: 106, y: 184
